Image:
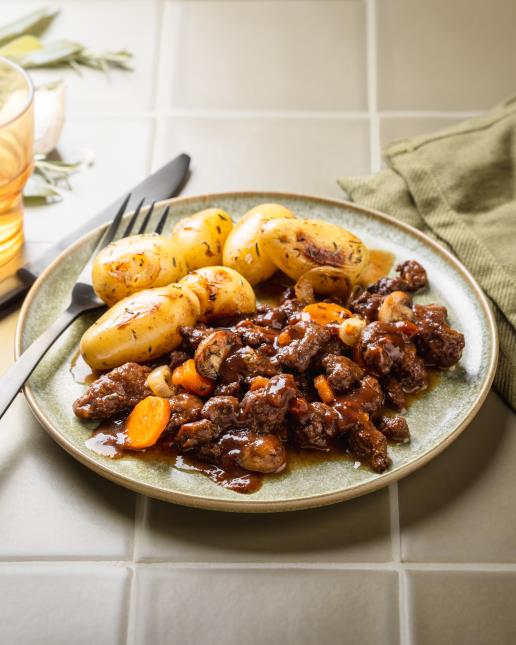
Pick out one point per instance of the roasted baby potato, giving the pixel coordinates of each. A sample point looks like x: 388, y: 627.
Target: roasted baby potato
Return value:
x: 140, y: 327
x: 243, y: 250
x: 297, y: 245
x: 221, y: 292
x: 135, y: 263
x: 201, y: 237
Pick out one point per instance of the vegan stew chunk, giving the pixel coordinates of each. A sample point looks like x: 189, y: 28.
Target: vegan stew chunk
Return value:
x: 330, y: 365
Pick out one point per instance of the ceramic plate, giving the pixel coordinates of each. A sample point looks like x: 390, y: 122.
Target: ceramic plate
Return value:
x: 435, y: 419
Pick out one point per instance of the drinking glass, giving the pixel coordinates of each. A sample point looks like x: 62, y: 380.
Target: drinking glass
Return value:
x: 16, y: 158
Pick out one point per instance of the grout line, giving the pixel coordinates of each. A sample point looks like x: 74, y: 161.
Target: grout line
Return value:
x: 450, y: 567
x: 372, y: 86
x: 197, y: 113
x: 404, y: 608
x: 435, y: 114
x: 139, y: 519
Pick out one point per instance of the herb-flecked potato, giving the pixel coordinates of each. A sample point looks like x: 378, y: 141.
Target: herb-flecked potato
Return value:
x: 135, y: 263
x: 221, y: 292
x: 140, y: 327
x: 243, y: 250
x: 201, y: 237
x: 298, y: 245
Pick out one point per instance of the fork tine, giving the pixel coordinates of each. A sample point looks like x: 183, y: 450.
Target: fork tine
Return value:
x: 133, y: 219
x: 111, y: 230
x: 146, y: 219
x: 163, y: 219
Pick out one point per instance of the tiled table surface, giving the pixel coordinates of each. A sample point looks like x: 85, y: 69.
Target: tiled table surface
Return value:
x: 285, y: 94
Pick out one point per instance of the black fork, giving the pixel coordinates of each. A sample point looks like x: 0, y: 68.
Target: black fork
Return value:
x: 83, y: 299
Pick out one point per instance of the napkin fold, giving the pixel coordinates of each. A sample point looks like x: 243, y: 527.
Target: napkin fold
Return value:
x: 459, y: 186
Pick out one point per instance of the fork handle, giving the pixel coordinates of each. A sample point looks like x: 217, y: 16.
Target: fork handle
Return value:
x: 12, y: 381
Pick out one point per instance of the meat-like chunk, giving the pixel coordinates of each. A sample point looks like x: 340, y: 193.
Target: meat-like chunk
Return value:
x: 184, y: 408
x: 265, y: 409
x: 228, y: 389
x: 342, y: 372
x: 192, y: 336
x: 317, y: 425
x: 255, y: 335
x: 221, y: 410
x: 213, y: 350
x: 300, y: 343
x: 262, y: 453
x: 394, y: 428
x: 367, y: 397
x: 439, y: 344
x: 118, y: 390
x: 394, y: 394
x: 246, y: 362
x: 197, y: 433
x: 382, y: 345
x: 367, y: 444
x: 366, y: 304
x: 413, y: 274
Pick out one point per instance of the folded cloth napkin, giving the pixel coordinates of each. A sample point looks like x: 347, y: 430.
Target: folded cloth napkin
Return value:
x: 459, y: 187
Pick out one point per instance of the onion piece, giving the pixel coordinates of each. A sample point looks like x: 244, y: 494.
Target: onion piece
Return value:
x: 350, y: 330
x: 159, y: 382
x: 323, y: 280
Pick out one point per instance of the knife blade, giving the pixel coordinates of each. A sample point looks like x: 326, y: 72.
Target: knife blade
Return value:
x: 166, y: 182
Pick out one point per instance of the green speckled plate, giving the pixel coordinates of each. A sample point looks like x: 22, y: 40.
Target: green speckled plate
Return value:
x: 435, y: 419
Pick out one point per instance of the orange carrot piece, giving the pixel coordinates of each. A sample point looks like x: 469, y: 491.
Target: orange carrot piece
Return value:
x: 324, y: 313
x: 324, y: 389
x: 188, y: 378
x: 146, y: 422
x: 258, y: 382
x: 284, y: 338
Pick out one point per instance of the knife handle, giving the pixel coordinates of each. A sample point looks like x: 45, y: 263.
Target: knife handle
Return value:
x: 12, y: 294
x: 12, y: 381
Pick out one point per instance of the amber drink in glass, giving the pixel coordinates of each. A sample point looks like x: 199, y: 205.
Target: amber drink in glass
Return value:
x: 16, y: 138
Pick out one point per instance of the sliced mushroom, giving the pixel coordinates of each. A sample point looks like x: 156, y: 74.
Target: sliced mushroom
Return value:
x: 396, y: 306
x: 213, y: 351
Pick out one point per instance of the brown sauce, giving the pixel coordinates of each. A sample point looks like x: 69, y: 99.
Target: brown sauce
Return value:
x: 82, y: 373
x: 109, y: 438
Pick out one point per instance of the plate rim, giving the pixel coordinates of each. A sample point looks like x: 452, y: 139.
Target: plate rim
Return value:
x: 247, y: 505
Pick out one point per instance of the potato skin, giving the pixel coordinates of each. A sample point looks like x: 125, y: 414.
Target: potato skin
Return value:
x: 243, y: 250
x: 202, y: 236
x: 221, y: 292
x: 135, y: 263
x: 296, y: 246
x: 140, y: 327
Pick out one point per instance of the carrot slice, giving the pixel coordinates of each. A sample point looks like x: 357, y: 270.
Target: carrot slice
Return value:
x: 324, y: 389
x: 324, y: 313
x: 258, y: 382
x: 146, y: 422
x: 188, y: 378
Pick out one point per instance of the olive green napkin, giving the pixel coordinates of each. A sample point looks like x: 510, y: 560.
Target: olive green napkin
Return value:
x: 459, y: 186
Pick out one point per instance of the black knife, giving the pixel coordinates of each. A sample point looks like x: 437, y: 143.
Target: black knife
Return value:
x: 166, y: 182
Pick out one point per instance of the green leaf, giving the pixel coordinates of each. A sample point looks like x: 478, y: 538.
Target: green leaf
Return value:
x: 56, y: 53
x: 38, y: 189
x: 33, y: 23
x: 20, y: 47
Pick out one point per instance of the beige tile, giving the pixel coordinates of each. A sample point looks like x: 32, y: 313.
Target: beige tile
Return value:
x: 121, y: 146
x: 60, y: 604
x: 442, y: 55
x: 467, y: 607
x: 304, y: 155
x: 394, y: 128
x: 50, y: 505
x: 102, y: 25
x: 266, y: 606
x: 295, y: 55
x: 460, y: 507
x: 355, y: 531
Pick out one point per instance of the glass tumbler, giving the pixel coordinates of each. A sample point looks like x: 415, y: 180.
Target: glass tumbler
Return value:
x: 16, y: 155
